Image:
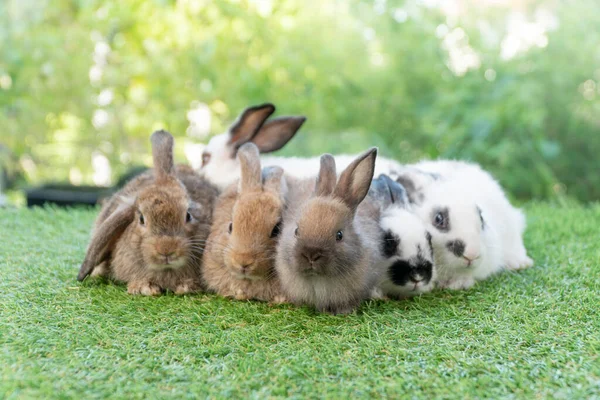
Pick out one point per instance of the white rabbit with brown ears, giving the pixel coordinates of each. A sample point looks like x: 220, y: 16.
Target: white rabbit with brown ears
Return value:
x: 221, y: 167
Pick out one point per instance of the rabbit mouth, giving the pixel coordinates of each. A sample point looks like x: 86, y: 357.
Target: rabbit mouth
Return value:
x: 169, y: 263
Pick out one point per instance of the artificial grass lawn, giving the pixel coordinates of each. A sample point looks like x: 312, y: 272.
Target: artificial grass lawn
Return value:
x: 516, y: 335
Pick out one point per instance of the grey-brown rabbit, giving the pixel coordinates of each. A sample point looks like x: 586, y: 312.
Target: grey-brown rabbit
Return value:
x: 151, y: 234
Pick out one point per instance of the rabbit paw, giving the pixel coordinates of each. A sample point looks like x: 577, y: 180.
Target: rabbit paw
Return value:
x: 240, y: 295
x: 144, y: 288
x: 185, y: 288
x: 462, y: 283
x: 279, y: 299
x: 520, y: 263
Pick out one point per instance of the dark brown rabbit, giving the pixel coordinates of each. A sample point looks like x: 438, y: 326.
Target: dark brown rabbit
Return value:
x: 151, y: 234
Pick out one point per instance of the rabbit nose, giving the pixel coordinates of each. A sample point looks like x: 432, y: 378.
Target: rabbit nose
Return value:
x: 167, y: 254
x: 416, y: 278
x: 312, y: 255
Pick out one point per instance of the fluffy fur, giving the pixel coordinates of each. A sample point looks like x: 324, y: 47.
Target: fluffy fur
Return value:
x: 240, y: 254
x: 481, y: 232
x: 221, y: 167
x: 327, y: 245
x: 407, y: 268
x: 151, y: 234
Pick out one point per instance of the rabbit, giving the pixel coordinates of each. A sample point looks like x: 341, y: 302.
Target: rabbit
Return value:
x: 328, y: 245
x: 476, y: 232
x: 151, y: 234
x: 239, y: 260
x: 408, y: 268
x: 219, y: 162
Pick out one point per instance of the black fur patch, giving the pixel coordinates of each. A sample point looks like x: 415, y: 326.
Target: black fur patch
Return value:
x: 481, y: 218
x: 402, y: 272
x: 457, y: 247
x: 389, y: 244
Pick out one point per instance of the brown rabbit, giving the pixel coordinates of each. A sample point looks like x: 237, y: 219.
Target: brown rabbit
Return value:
x: 151, y: 234
x: 328, y: 249
x: 240, y: 253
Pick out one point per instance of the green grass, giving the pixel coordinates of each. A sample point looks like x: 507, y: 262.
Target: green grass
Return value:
x: 534, y: 333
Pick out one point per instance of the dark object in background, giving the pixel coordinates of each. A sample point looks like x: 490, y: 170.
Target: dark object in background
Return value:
x: 67, y: 195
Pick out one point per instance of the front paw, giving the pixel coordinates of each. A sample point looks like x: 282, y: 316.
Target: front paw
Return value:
x: 186, y: 288
x: 279, y: 299
x: 241, y: 295
x: 457, y: 283
x: 521, y: 263
x: 144, y: 288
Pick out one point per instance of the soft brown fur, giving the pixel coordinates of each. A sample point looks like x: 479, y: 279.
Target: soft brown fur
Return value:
x: 254, y: 208
x: 165, y: 251
x: 314, y: 267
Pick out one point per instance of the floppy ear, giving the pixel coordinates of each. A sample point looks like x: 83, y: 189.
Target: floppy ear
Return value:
x: 414, y: 181
x: 248, y: 124
x: 273, y: 180
x: 356, y: 179
x: 396, y: 191
x: 380, y: 192
x: 162, y: 154
x: 274, y: 134
x: 104, y: 239
x: 250, y: 179
x: 327, y: 176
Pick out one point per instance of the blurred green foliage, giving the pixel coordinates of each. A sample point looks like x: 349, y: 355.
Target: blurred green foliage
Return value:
x: 513, y: 84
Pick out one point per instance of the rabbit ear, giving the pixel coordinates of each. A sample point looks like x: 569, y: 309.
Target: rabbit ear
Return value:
x: 250, y: 179
x: 162, y: 154
x: 248, y: 124
x: 104, y: 239
x: 273, y: 180
x: 274, y: 134
x: 397, y: 192
x: 327, y: 176
x: 356, y: 179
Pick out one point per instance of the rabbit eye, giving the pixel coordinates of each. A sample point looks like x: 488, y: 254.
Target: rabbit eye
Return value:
x: 276, y: 230
x: 339, y: 235
x: 296, y: 232
x: 441, y: 220
x: 142, y: 220
x: 205, y: 159
x: 188, y: 217
x: 230, y: 228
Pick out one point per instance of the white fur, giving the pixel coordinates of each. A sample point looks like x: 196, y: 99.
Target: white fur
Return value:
x: 223, y: 167
x: 413, y: 244
x: 462, y: 188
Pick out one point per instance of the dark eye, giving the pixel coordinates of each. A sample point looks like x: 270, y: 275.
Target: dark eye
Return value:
x: 439, y: 220
x: 390, y: 244
x: 230, y: 228
x: 276, y: 230
x: 296, y: 232
x: 142, y: 220
x: 339, y: 236
x: 205, y: 158
x: 188, y: 217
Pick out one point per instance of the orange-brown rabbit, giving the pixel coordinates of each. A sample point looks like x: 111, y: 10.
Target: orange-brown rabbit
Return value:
x: 239, y: 258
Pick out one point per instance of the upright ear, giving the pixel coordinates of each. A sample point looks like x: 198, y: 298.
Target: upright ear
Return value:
x: 356, y: 179
x: 327, y: 176
x: 162, y: 154
x: 397, y: 192
x: 248, y: 124
x: 104, y: 239
x: 250, y: 178
x: 274, y: 134
x: 274, y: 181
